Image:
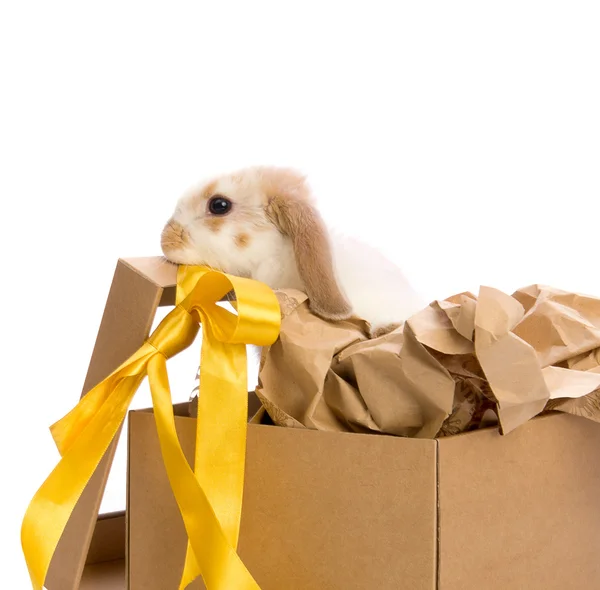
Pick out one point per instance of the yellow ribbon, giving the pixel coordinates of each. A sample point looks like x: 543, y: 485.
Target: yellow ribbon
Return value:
x: 210, y: 497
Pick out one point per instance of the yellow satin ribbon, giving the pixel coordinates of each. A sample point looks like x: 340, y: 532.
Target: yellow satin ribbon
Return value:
x: 210, y: 497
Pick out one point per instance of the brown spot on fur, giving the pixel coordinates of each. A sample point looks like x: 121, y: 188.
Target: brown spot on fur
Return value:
x: 215, y: 223
x: 173, y: 237
x: 242, y: 240
x: 206, y: 193
x: 209, y: 190
x: 289, y: 208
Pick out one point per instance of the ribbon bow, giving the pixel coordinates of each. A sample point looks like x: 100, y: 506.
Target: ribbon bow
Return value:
x: 210, y: 497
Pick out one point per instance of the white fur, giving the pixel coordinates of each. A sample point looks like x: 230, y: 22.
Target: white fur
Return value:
x: 375, y: 288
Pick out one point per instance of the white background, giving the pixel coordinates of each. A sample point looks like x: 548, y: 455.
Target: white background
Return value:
x: 462, y: 138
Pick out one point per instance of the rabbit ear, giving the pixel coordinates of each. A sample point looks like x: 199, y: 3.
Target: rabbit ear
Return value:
x: 290, y: 210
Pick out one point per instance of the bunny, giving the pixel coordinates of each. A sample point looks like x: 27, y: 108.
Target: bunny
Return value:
x: 262, y: 223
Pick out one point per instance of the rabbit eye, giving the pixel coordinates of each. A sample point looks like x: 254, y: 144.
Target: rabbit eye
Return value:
x: 219, y: 205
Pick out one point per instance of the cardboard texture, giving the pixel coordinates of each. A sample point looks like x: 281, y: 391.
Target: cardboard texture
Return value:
x: 327, y: 509
x: 105, y: 563
x: 321, y: 510
x: 521, y: 511
x: 104, y: 576
x: 345, y: 511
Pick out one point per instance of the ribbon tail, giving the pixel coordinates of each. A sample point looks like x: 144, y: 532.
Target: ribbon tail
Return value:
x: 52, y: 505
x: 66, y: 430
x: 222, y: 424
x: 191, y: 569
x: 221, y: 566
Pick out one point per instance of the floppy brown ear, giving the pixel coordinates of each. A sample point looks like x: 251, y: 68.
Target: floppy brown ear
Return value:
x: 297, y: 218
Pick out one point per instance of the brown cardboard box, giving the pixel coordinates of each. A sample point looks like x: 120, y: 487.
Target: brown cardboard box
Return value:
x: 329, y: 511
x: 341, y: 510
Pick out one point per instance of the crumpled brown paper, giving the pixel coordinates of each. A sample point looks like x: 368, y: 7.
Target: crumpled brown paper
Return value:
x: 460, y: 364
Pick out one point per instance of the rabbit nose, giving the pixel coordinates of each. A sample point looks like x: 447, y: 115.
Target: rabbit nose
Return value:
x: 174, y: 235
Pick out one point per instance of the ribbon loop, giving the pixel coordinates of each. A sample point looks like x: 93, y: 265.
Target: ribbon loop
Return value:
x: 258, y: 315
x: 209, y: 498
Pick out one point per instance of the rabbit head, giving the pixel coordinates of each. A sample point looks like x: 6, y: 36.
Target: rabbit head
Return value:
x: 260, y: 223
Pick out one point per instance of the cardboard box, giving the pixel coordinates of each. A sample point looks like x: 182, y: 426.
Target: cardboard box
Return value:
x: 339, y: 510
x: 329, y: 511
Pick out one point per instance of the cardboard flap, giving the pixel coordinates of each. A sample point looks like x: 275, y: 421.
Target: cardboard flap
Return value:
x: 154, y: 268
x: 139, y: 286
x: 158, y: 271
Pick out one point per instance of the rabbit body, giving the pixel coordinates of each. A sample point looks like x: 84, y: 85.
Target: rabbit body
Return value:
x: 376, y: 289
x: 261, y: 223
